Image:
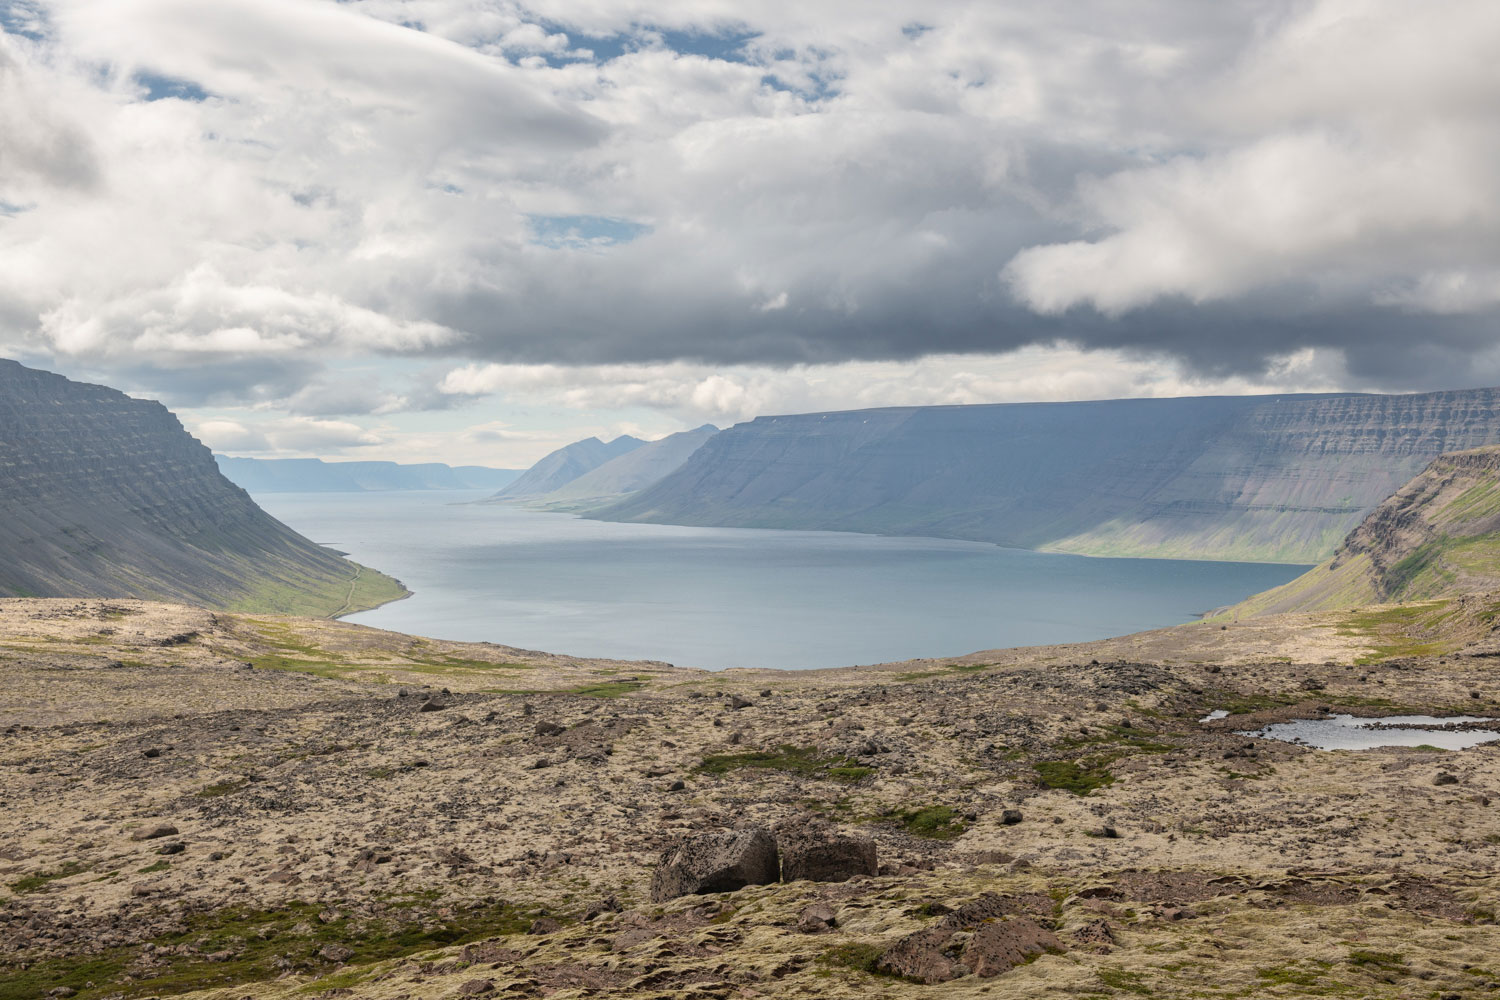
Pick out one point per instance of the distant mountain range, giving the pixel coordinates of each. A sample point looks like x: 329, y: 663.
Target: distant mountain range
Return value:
x: 107, y: 496
x: 625, y: 474
x: 1256, y: 478
x: 312, y: 475
x: 566, y: 464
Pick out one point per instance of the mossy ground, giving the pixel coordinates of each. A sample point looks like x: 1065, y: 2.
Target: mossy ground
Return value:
x: 251, y: 946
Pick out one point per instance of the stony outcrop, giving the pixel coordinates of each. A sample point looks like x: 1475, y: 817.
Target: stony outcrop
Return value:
x: 984, y: 938
x: 716, y: 862
x: 102, y: 495
x: 1263, y: 478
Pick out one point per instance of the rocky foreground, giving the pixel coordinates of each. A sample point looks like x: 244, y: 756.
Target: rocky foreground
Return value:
x: 216, y: 805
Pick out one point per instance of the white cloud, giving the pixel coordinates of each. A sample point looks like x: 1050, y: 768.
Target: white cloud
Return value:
x: 288, y: 434
x: 808, y: 199
x: 692, y: 394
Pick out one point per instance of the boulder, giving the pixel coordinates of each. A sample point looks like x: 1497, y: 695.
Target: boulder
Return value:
x: 819, y: 854
x: 998, y: 942
x: 922, y: 957
x: 1002, y: 945
x: 715, y: 862
x: 153, y: 832
x: 816, y: 919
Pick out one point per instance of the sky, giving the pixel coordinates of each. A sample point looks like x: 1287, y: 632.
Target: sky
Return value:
x: 474, y: 230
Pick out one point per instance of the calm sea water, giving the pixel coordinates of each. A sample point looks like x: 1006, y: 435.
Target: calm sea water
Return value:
x: 731, y: 597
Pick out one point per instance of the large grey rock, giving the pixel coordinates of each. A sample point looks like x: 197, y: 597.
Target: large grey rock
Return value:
x: 819, y: 854
x: 716, y: 862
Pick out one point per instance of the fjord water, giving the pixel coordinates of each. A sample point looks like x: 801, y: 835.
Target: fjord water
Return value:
x: 739, y: 597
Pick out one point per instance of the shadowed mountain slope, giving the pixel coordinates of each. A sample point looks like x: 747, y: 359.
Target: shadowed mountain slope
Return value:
x: 107, y: 496
x: 635, y: 470
x: 566, y: 464
x: 1261, y: 478
x: 312, y: 475
x: 1437, y: 536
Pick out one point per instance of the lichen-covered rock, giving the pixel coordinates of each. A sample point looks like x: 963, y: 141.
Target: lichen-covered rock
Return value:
x: 819, y: 854
x: 972, y: 940
x: 816, y: 919
x: 1001, y: 945
x: 716, y: 862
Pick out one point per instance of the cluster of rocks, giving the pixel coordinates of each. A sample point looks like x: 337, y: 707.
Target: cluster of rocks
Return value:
x: 726, y: 860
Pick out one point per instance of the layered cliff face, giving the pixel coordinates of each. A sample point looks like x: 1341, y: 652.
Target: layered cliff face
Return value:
x: 103, y: 495
x: 1437, y: 536
x: 1260, y: 478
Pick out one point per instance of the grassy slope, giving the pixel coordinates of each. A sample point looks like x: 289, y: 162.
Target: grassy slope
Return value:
x: 1439, y: 535
x: 319, y: 597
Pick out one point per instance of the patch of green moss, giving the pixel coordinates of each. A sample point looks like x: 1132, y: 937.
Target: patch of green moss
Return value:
x: 607, y: 689
x: 160, y: 866
x: 1072, y: 776
x: 220, y: 788
x: 1383, y: 961
x: 805, y: 761
x: 932, y: 822
x: 1126, y: 982
x: 34, y: 883
x: 256, y: 938
x: 1286, y: 975
x: 860, y: 957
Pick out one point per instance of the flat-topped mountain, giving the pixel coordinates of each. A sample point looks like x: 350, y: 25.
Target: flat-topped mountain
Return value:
x: 1437, y: 536
x: 1260, y: 478
x: 313, y: 475
x: 107, y: 496
x: 566, y: 464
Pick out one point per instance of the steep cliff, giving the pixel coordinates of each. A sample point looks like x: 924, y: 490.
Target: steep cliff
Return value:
x: 1437, y: 536
x: 1262, y: 478
x: 102, y: 495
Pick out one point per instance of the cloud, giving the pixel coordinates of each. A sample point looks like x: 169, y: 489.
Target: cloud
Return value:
x: 708, y: 201
x: 289, y: 434
x: 693, y: 394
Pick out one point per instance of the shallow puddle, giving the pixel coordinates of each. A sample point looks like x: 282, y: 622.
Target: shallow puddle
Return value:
x: 1347, y: 732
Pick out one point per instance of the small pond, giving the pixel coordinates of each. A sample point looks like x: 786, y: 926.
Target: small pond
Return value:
x: 1348, y: 732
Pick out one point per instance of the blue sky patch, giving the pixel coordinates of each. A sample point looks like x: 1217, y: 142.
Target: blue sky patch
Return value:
x: 23, y: 17
x: 583, y: 232
x: 160, y: 88
x: 728, y: 46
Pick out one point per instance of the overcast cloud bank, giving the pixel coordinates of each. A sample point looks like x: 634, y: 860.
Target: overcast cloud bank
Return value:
x: 706, y: 210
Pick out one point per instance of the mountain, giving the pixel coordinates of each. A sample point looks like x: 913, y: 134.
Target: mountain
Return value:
x: 625, y: 474
x: 312, y: 475
x: 1437, y: 536
x: 1258, y: 478
x: 565, y: 465
x: 107, y: 496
